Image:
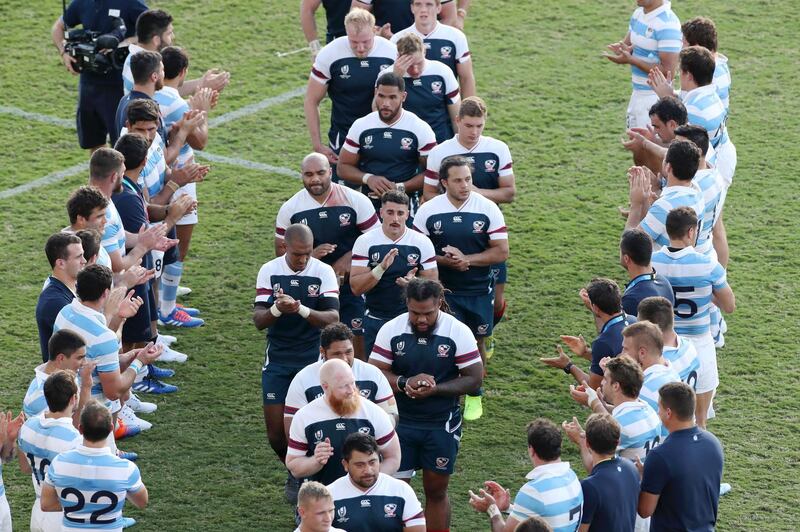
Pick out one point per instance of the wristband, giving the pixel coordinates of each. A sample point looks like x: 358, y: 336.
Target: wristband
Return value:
x: 377, y: 272
x: 493, y: 511
x: 365, y: 178
x: 274, y: 311
x: 136, y: 365
x: 401, y: 383
x: 304, y: 311
x: 173, y: 186
x: 315, y: 46
x: 568, y: 368
x: 461, y: 11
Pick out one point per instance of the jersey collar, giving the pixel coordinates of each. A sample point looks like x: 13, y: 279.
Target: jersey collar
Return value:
x: 469, y: 150
x: 93, y: 451
x: 558, y: 468
x: 426, y: 35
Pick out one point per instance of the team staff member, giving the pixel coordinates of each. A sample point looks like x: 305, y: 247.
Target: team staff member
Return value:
x: 635, y: 251
x: 336, y: 215
x: 430, y: 359
x: 388, y: 148
x: 385, y: 261
x: 392, y: 506
x: 346, y: 70
x: 470, y: 235
x: 98, y: 94
x: 296, y: 295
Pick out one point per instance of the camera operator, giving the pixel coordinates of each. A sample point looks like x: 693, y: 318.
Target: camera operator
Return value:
x: 98, y: 94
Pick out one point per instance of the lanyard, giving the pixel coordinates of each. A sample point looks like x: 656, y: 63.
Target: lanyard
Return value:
x: 613, y: 321
x: 644, y: 277
x: 132, y: 187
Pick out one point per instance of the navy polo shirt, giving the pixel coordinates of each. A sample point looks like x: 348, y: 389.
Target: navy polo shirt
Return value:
x: 95, y: 15
x: 132, y: 211
x: 53, y: 298
x: 122, y: 116
x: 609, y: 342
x: 685, y: 471
x: 643, y: 286
x: 611, y: 496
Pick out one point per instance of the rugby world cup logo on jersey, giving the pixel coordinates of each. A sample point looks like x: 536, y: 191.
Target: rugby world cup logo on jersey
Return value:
x: 368, y: 142
x: 304, y: 221
x: 376, y: 257
x: 389, y: 510
x: 443, y: 350
x: 446, y: 52
x: 405, y: 143
x: 490, y: 165
x: 313, y: 290
x: 441, y: 462
x: 436, y: 87
x: 398, y: 350
x: 344, y: 219
x: 413, y: 259
x: 342, y: 513
x: 477, y: 226
x: 345, y: 72
x: 437, y: 227
x: 318, y: 436
x: 276, y: 287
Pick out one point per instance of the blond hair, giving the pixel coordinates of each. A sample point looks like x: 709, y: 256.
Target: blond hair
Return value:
x: 312, y: 491
x: 410, y: 44
x: 359, y: 19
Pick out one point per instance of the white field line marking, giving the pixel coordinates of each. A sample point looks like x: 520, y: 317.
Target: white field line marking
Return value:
x: 49, y: 179
x: 60, y: 175
x: 292, y: 52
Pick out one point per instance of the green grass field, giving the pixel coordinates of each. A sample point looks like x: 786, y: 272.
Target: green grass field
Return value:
x: 561, y: 109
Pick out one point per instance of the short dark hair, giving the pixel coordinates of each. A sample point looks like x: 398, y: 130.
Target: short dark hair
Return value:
x: 334, y: 332
x: 679, y: 221
x: 152, y: 23
x: 96, y: 423
x: 104, y: 162
x: 133, y: 147
x: 59, y: 388
x: 670, y: 108
x: 83, y: 201
x: 700, y: 31
x: 684, y: 157
x: 678, y: 397
x: 64, y: 342
x: 175, y: 59
x: 534, y: 524
x: 143, y: 65
x: 545, y: 439
x: 93, y: 280
x: 700, y: 63
x: 90, y: 238
x: 395, y: 196
x: 602, y: 433
x: 56, y: 247
x: 142, y: 110
x: 637, y: 244
x: 421, y: 289
x: 627, y: 373
x: 605, y: 295
x: 696, y: 134
x: 452, y: 161
x: 647, y: 333
x: 390, y: 79
x: 658, y: 310
x: 357, y: 441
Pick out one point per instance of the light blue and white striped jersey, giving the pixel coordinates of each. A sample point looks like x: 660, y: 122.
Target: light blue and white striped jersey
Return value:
x: 640, y: 428
x: 683, y: 359
x: 102, y: 345
x: 173, y: 107
x: 114, y: 232
x: 41, y: 439
x: 651, y: 33
x: 722, y: 81
x: 693, y: 277
x: 554, y: 493
x: 92, y: 485
x: 655, y: 222
x: 127, y: 76
x: 34, y: 402
x: 704, y: 108
x: 153, y: 175
x: 655, y: 377
x: 711, y: 185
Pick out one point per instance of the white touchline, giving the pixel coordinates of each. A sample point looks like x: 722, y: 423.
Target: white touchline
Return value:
x: 222, y: 119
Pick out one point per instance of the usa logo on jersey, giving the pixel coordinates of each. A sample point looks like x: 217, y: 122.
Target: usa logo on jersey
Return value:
x: 344, y: 219
x: 313, y: 290
x: 477, y: 226
x: 364, y: 430
x: 405, y: 143
x: 445, y: 51
x: 443, y: 350
x: 390, y: 510
x: 365, y: 394
x: 490, y: 165
x: 413, y: 258
x: 436, y: 87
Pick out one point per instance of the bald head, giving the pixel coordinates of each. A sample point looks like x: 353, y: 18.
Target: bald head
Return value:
x: 316, y: 160
x: 298, y: 234
x: 333, y: 371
